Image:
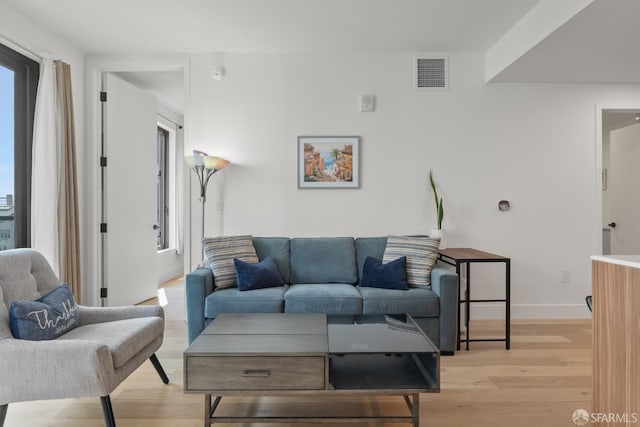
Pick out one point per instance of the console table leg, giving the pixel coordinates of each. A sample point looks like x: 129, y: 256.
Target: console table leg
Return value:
x: 416, y: 410
x: 467, y: 306
x: 508, y: 304
x: 459, y: 325
x: 207, y: 410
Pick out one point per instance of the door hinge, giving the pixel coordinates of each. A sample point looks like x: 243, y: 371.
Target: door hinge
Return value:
x: 103, y: 96
x: 103, y: 161
x: 103, y: 292
x: 103, y: 227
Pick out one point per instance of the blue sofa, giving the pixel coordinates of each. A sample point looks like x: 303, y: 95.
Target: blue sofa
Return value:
x: 321, y: 276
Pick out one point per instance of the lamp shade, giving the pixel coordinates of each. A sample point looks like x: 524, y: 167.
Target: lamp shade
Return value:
x: 190, y: 159
x: 215, y: 163
x: 200, y: 158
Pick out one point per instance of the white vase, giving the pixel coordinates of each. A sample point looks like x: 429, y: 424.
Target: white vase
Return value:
x: 438, y: 233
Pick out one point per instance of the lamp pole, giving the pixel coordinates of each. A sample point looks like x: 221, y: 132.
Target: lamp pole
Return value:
x: 204, y: 166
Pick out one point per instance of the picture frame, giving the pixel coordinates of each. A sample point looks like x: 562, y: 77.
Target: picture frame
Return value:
x: 328, y: 162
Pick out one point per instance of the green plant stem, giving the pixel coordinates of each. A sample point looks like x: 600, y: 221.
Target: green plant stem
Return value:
x: 438, y: 201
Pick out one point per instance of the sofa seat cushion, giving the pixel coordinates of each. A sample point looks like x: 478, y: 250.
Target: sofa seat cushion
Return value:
x: 125, y: 338
x: 334, y: 298
x: 267, y: 300
x: 415, y: 301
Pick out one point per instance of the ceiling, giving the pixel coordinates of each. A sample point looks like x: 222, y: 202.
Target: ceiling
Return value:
x: 166, y: 86
x: 282, y: 26
x: 595, y: 45
x: 616, y: 119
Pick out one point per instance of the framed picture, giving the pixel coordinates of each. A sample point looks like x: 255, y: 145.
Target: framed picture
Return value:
x: 328, y: 162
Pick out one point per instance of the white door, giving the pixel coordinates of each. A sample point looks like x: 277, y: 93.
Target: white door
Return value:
x: 130, y: 132
x: 623, y: 183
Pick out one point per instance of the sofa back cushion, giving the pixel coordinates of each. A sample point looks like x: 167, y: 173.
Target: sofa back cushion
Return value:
x: 278, y: 248
x: 323, y: 260
x: 369, y: 247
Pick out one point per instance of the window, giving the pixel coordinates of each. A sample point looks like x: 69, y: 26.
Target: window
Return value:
x: 18, y: 85
x: 163, y: 210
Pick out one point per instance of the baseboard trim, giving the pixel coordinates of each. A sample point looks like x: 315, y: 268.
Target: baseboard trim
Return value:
x: 530, y: 311
x: 168, y: 275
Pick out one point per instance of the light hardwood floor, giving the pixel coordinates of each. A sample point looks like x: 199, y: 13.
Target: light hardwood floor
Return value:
x: 541, y: 381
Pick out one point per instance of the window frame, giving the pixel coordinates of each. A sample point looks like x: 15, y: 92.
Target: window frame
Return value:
x: 163, y: 186
x: 26, y: 76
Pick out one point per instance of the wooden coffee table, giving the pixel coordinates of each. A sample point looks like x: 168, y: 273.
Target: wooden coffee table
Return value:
x: 314, y: 355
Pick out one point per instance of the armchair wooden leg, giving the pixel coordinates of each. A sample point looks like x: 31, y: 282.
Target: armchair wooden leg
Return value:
x: 3, y: 413
x: 107, y: 410
x: 159, y: 368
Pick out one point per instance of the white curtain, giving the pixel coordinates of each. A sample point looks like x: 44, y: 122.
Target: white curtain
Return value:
x: 45, y: 165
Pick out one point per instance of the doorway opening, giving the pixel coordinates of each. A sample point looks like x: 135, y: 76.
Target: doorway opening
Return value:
x: 619, y: 179
x: 165, y: 80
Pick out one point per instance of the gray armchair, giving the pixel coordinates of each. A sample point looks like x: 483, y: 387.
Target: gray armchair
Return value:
x: 88, y: 361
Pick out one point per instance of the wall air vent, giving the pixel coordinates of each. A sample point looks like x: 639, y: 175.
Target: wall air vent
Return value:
x: 432, y: 72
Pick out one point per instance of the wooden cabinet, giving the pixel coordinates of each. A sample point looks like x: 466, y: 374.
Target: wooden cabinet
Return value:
x: 616, y: 340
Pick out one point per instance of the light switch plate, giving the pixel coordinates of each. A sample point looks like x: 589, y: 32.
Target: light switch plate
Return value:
x: 367, y: 103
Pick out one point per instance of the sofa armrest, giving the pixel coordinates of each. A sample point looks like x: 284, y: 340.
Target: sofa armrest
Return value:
x: 444, y: 282
x: 91, y: 315
x: 56, y: 369
x: 198, y: 284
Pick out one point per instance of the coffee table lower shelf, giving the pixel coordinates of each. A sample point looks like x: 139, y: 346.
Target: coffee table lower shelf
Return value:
x: 412, y: 401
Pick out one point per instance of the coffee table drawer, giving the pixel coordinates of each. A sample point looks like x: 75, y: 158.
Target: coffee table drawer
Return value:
x: 254, y: 373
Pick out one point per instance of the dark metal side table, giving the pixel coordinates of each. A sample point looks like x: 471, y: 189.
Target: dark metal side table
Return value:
x: 458, y: 256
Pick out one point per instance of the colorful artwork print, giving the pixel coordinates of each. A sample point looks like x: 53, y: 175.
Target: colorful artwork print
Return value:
x: 328, y: 162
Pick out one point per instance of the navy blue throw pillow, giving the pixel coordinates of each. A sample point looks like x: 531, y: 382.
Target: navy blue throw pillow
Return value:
x: 257, y: 276
x: 392, y: 275
x: 46, y: 318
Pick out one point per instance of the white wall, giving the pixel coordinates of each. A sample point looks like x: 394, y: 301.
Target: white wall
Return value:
x: 530, y: 144
x: 21, y: 30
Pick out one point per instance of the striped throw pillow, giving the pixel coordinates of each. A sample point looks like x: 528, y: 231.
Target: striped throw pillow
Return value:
x: 421, y: 253
x: 220, y: 252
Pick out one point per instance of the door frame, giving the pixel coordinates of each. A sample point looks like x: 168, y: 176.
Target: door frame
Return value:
x: 95, y: 67
x: 599, y: 111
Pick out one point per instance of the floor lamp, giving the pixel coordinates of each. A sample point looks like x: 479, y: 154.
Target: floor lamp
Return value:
x: 204, y: 167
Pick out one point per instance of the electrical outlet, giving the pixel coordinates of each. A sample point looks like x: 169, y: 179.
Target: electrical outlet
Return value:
x: 565, y: 275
